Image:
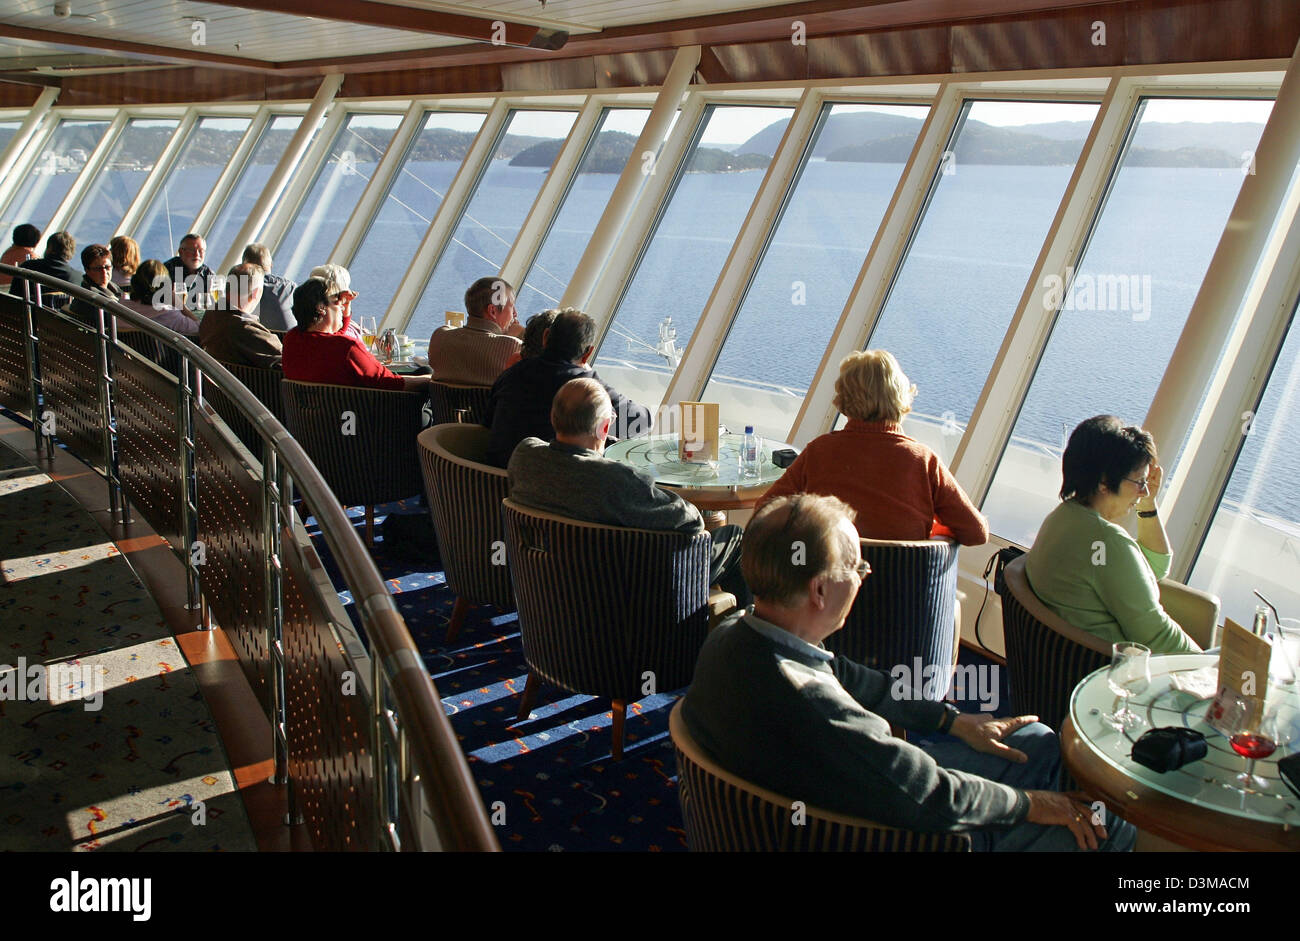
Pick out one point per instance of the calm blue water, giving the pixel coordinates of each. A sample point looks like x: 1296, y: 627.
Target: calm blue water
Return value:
x: 945, y: 316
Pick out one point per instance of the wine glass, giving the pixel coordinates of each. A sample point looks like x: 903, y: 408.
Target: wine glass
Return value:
x: 1130, y: 675
x: 1255, y: 736
x: 369, y: 329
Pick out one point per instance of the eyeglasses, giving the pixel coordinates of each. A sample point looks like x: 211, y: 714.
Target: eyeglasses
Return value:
x: 107, y: 267
x: 1142, y: 485
x: 862, y: 567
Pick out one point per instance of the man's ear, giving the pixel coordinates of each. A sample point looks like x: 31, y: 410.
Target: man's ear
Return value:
x: 817, y: 592
x: 603, y: 431
x: 586, y: 356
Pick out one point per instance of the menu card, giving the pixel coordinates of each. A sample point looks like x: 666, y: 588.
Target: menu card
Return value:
x: 698, y: 441
x: 455, y: 318
x: 1243, y: 674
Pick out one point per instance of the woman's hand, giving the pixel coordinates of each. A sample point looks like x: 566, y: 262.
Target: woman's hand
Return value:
x: 1155, y: 477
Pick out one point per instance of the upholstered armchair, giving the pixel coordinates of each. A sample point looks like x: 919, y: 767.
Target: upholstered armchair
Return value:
x: 464, y: 496
x: 606, y: 610
x: 725, y: 813
x: 362, y: 440
x: 906, y: 609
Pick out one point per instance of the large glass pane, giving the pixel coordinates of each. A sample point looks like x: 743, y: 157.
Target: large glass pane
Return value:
x: 334, y: 194
x: 1253, y: 543
x: 607, y: 153
x: 810, y: 264
x: 505, y: 192
x: 689, y: 245
x: 413, y: 197
x: 7, y: 131
x: 238, y: 204
x: 64, y: 157
x: 128, y: 165
x: 176, y: 205
x: 1123, y: 312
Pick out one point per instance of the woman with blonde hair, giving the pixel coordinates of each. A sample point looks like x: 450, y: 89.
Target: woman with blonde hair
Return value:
x: 899, y: 487
x: 126, y: 258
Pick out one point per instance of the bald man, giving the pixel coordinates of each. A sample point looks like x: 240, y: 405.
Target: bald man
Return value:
x: 571, y: 477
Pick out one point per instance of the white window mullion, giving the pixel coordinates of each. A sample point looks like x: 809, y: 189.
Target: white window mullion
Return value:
x: 21, y: 153
x: 707, y: 339
x: 68, y: 207
x: 284, y: 210
x: 158, y: 176
x: 551, y: 195
x: 865, y: 301
x: 444, y: 222
x: 995, y: 413
x: 234, y: 167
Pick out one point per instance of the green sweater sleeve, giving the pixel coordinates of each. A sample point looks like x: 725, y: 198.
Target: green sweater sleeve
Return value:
x: 1126, y: 583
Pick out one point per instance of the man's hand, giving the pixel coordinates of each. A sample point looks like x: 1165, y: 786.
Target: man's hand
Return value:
x: 985, y: 733
x: 1066, y: 810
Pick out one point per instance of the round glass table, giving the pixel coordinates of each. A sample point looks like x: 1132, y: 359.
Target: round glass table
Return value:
x: 713, y: 486
x: 1199, y: 805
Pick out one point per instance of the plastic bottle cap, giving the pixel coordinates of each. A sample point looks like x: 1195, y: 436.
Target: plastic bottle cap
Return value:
x: 749, y: 429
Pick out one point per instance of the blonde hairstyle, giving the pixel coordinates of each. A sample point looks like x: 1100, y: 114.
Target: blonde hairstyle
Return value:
x: 126, y: 253
x: 873, y: 387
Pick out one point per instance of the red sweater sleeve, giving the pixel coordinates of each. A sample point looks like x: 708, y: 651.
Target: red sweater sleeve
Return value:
x: 954, y: 513
x: 371, y: 372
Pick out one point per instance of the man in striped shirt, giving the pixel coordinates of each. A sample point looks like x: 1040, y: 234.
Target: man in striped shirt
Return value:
x: 478, y: 352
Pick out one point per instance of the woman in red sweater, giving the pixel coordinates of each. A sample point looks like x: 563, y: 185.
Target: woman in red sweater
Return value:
x: 899, y: 487
x: 322, y: 349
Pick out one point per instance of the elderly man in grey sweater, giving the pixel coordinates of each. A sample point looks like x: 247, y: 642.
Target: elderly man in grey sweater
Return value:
x: 571, y: 477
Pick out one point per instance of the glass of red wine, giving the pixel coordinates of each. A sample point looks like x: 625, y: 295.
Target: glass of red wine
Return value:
x: 1256, y: 735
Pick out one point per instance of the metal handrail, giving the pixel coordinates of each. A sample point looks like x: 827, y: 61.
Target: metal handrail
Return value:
x: 429, y: 759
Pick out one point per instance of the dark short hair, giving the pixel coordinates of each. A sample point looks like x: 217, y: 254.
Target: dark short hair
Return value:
x: 537, y: 325
x: 479, y: 296
x: 306, y: 298
x: 149, y: 278
x: 190, y: 235
x: 26, y: 235
x: 1102, y: 450
x: 571, y: 334
x: 60, y: 246
x: 790, y: 542
x: 93, y: 253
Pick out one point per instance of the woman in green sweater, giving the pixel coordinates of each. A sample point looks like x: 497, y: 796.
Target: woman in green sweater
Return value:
x: 1084, y: 565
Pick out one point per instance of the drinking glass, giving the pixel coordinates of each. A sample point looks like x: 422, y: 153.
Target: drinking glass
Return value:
x: 1130, y: 675
x: 1255, y: 736
x: 369, y: 329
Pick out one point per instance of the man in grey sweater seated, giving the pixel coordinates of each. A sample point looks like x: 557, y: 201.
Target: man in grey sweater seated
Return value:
x: 570, y: 477
x: 771, y: 705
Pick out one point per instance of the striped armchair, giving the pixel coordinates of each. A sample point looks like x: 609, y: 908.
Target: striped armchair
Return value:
x: 724, y: 813
x: 1046, y: 656
x: 361, y: 440
x: 606, y: 610
x: 465, y: 497
x: 906, y: 608
x: 454, y: 402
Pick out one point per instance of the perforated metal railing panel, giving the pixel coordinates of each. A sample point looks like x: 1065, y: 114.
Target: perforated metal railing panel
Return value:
x: 15, y: 378
x: 230, y: 520
x: 148, y: 444
x: 70, y: 369
x: 328, y: 732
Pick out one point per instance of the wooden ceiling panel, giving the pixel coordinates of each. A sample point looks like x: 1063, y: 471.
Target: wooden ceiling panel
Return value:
x: 1064, y: 39
x: 921, y: 51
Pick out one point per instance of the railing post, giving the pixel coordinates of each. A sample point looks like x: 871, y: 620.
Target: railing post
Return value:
x: 33, y: 367
x: 189, y: 481
x: 378, y: 752
x: 124, y: 501
x: 109, y: 421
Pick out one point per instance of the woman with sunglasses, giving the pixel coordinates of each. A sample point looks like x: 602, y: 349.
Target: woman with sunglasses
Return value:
x: 1084, y: 565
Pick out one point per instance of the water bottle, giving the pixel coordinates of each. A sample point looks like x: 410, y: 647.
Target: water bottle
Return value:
x: 751, y: 451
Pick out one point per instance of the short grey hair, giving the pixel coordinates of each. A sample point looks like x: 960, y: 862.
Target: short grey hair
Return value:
x: 579, y: 408
x: 242, y: 283
x: 256, y: 253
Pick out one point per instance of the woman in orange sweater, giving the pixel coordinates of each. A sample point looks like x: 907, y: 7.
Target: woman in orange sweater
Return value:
x: 899, y: 487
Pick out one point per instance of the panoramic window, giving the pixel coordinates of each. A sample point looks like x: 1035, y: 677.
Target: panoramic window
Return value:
x: 175, y: 207
x: 1122, y: 312
x: 239, y: 202
x: 128, y: 165
x: 998, y: 189
x: 1253, y: 543
x: 608, y: 152
x: 524, y: 155
x: 7, y: 131
x: 810, y: 264
x: 334, y: 194
x: 63, y: 158
x: 413, y: 198
x: 684, y: 255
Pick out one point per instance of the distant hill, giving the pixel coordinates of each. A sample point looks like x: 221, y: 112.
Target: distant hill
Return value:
x: 613, y: 149
x: 871, y: 137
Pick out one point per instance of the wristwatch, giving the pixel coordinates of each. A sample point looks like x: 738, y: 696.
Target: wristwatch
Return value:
x: 950, y: 714
x: 1147, y: 514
